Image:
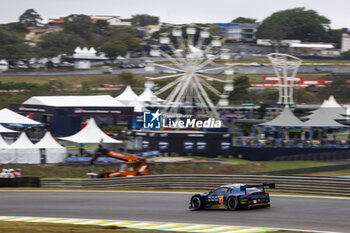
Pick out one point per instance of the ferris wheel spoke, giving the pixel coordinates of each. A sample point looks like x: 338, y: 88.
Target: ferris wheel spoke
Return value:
x: 173, y: 60
x: 168, y: 67
x: 211, y: 88
x: 165, y: 77
x: 206, y: 98
x: 168, y: 86
x: 214, y: 79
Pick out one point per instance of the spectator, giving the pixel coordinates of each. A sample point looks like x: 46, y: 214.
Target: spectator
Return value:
x: 17, y: 173
x: 10, y: 173
x: 3, y: 174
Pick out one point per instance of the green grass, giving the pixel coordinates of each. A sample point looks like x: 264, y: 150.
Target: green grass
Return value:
x: 283, y: 165
x: 269, y: 165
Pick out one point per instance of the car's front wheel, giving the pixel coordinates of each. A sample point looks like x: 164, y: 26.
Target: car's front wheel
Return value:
x: 197, y: 203
x: 232, y: 203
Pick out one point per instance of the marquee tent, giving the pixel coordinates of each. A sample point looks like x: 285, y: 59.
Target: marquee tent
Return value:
x: 286, y: 119
x: 8, y: 117
x: 331, y: 109
x: 126, y: 96
x: 75, y: 101
x: 91, y: 133
x: 138, y: 106
x: 55, y: 153
x: 322, y: 119
x: 148, y: 96
x: 6, y: 130
x: 25, y: 151
x: 7, y: 155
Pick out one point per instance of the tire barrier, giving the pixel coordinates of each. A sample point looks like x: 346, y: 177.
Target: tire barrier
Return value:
x: 289, y: 184
x: 20, y: 182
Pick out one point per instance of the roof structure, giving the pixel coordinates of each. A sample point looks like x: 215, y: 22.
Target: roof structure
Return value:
x: 48, y: 142
x: 321, y: 118
x: 91, y: 133
x: 285, y: 119
x: 126, y: 96
x: 332, y: 103
x: 331, y: 108
x: 138, y: 106
x: 75, y: 101
x: 148, y: 96
x: 6, y: 130
x: 22, y: 142
x: 3, y: 144
x: 12, y: 118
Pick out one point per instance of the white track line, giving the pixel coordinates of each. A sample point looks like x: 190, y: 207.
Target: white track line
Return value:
x: 159, y: 192
x: 119, y: 221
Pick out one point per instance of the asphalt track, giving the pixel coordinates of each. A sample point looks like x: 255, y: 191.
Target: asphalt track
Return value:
x: 321, y: 214
x: 336, y: 69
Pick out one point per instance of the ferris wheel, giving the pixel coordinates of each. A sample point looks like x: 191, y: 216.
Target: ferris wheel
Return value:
x: 190, y: 64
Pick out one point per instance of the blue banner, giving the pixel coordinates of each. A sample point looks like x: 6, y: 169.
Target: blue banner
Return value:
x: 225, y: 145
x: 201, y: 146
x: 145, y: 145
x: 188, y: 145
x: 163, y: 145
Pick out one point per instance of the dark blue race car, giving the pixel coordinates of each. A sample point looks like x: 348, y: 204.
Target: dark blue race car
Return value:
x: 233, y: 197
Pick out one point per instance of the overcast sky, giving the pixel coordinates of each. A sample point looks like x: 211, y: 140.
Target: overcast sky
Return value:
x: 177, y: 11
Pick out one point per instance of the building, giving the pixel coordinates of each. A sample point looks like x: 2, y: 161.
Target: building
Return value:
x: 65, y: 114
x: 148, y: 30
x: 83, y: 58
x: 111, y: 20
x: 244, y: 32
x: 345, y: 40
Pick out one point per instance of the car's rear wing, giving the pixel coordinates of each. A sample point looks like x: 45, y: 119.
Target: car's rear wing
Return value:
x: 263, y: 185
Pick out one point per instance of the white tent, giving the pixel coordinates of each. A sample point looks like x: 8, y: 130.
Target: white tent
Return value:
x: 148, y: 96
x: 332, y: 103
x: 91, y: 133
x: 322, y: 118
x: 6, y: 130
x: 74, y: 101
x: 285, y: 119
x: 55, y: 153
x: 3, y: 65
x: 126, y: 96
x: 26, y: 151
x: 138, y: 107
x: 10, y: 117
x: 331, y: 109
x: 7, y: 155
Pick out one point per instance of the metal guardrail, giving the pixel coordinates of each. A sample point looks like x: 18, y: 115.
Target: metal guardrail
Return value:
x: 291, y: 184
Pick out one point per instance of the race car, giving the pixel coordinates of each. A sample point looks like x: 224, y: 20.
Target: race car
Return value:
x: 233, y: 197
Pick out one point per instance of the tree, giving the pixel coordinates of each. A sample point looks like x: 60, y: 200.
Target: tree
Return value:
x: 243, y: 20
x: 133, y: 43
x: 101, y: 26
x: 113, y: 49
x: 346, y: 53
x: 144, y: 20
x: 241, y: 88
x: 11, y: 44
x: 30, y: 18
x: 127, y: 77
x: 55, y: 43
x: 17, y: 27
x: 80, y: 25
x: 296, y: 23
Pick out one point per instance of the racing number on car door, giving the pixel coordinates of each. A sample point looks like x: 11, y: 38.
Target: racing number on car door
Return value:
x: 221, y: 199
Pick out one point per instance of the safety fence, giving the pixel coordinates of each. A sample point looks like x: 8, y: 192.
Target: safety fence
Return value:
x: 291, y: 184
x: 20, y: 182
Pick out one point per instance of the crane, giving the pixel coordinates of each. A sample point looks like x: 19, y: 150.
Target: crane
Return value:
x: 133, y: 166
